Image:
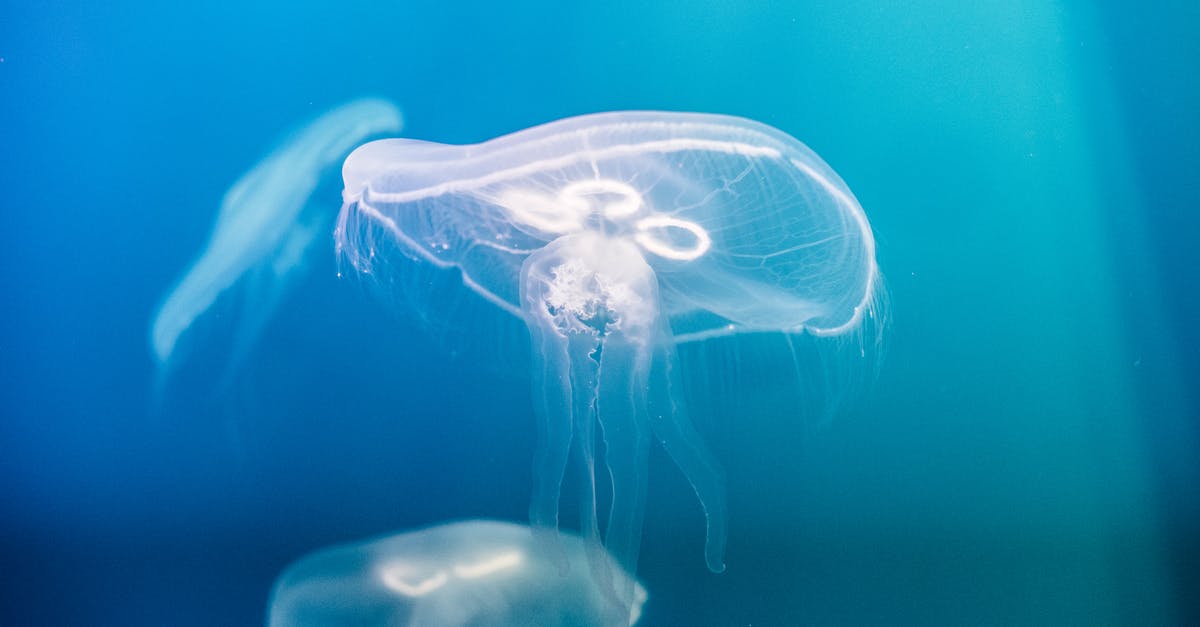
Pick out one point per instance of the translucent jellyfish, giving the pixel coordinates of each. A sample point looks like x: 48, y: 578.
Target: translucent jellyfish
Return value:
x: 267, y: 226
x: 467, y: 573
x: 616, y: 237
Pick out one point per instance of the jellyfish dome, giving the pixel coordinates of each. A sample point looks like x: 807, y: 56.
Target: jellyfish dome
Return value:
x: 466, y: 573
x: 268, y: 226
x: 615, y: 237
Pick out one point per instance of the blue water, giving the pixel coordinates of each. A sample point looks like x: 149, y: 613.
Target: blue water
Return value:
x: 1028, y: 454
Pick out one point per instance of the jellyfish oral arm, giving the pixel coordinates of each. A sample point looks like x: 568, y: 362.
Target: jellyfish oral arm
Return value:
x: 673, y: 427
x: 559, y: 385
x: 605, y: 356
x: 622, y: 409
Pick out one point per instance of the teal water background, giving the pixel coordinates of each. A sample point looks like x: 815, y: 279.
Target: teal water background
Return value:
x: 1027, y: 456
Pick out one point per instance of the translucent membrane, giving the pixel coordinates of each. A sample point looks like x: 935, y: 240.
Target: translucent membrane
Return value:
x: 615, y: 237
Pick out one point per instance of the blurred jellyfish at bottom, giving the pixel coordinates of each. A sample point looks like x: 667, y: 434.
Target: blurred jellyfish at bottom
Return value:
x: 467, y: 573
x: 268, y: 225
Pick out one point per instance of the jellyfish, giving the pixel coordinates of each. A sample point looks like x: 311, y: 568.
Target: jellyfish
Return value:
x: 477, y: 572
x: 267, y: 227
x: 616, y: 237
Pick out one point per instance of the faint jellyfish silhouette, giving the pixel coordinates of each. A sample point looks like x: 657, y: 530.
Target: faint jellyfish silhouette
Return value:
x: 616, y: 237
x: 466, y: 573
x: 266, y: 230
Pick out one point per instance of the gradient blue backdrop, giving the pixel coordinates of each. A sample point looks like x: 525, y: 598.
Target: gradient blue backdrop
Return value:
x: 1028, y: 455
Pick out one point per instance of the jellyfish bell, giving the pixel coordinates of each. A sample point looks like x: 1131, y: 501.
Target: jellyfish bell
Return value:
x: 467, y: 573
x: 266, y: 230
x: 616, y: 237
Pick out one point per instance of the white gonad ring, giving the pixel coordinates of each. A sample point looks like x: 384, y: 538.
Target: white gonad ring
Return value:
x: 666, y: 250
x: 627, y: 201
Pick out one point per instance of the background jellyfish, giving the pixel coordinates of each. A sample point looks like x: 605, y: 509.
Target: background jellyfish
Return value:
x: 266, y: 228
x: 615, y: 237
x: 468, y: 573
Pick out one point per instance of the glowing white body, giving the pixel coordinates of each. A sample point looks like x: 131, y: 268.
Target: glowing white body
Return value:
x: 615, y: 237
